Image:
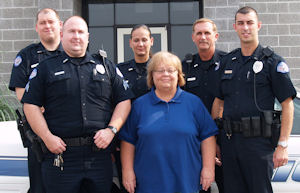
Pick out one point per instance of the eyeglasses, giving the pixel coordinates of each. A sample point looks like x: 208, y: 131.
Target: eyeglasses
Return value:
x: 162, y: 71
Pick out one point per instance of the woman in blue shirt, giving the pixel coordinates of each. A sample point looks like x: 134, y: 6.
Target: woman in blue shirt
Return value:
x: 167, y: 131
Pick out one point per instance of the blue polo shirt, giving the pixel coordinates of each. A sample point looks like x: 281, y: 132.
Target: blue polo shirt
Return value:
x: 167, y: 138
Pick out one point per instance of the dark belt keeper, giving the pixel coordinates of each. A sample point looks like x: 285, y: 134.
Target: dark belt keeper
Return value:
x: 236, y: 126
x: 268, y: 120
x: 246, y: 126
x: 256, y: 126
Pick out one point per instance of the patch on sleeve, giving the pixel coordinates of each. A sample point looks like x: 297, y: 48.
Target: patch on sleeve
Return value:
x: 119, y: 72
x: 27, y: 86
x: 125, y: 85
x: 282, y: 67
x: 18, y: 61
x: 33, y: 74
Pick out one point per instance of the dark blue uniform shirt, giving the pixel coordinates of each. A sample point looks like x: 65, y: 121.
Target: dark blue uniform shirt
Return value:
x: 202, y: 77
x: 135, y: 75
x: 26, y: 60
x: 79, y: 94
x: 237, y: 83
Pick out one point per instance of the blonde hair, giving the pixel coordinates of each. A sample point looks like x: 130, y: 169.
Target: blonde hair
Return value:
x: 204, y: 20
x: 165, y: 58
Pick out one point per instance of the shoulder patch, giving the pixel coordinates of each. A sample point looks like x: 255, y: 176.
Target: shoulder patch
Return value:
x: 119, y: 72
x: 125, y: 84
x: 27, y: 86
x: 33, y: 74
x: 18, y: 61
x: 282, y: 67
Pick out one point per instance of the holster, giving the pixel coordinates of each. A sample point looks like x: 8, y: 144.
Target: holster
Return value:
x: 29, y: 138
x: 23, y: 126
x: 276, y: 126
x: 37, y: 145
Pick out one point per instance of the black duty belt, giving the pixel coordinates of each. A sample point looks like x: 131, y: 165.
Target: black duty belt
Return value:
x: 79, y: 141
x: 236, y: 126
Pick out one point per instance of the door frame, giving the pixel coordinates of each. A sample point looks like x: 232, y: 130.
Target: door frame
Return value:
x: 126, y: 31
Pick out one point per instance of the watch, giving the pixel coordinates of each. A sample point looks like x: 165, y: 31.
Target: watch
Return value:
x: 113, y: 129
x: 283, y: 144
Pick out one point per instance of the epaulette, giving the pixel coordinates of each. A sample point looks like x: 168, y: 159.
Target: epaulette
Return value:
x: 221, y: 52
x: 31, y: 46
x: 267, y: 51
x: 124, y: 63
x: 97, y: 56
x: 234, y: 51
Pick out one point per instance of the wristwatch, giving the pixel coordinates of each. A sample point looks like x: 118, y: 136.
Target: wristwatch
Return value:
x: 113, y: 129
x: 283, y: 144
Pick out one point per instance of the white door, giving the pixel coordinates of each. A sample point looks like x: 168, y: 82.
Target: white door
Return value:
x: 125, y: 52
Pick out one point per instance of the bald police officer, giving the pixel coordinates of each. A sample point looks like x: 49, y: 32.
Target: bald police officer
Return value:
x: 48, y: 27
x: 252, y: 78
x: 86, y: 102
x: 202, y: 72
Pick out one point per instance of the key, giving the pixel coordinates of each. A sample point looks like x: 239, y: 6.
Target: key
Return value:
x: 228, y: 135
x: 61, y: 160
x: 58, y: 161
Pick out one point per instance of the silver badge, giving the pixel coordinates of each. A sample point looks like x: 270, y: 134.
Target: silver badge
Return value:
x: 100, y: 68
x: 257, y: 66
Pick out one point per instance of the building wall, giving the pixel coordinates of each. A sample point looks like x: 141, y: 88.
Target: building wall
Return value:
x: 280, y: 29
x: 280, y: 18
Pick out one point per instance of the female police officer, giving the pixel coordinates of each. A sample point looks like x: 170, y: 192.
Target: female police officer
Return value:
x: 134, y: 71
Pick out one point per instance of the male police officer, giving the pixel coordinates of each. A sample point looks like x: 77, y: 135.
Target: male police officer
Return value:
x: 251, y: 80
x: 48, y: 27
x: 201, y: 72
x: 86, y: 102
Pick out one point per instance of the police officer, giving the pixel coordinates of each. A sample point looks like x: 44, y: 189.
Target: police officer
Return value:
x: 135, y: 71
x: 202, y: 72
x: 86, y: 102
x: 251, y: 80
x: 48, y: 27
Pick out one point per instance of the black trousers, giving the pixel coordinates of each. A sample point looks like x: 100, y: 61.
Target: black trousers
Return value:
x: 35, y: 174
x: 247, y: 163
x: 83, y: 168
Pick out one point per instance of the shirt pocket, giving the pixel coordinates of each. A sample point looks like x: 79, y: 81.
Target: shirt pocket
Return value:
x: 192, y: 82
x: 101, y: 85
x: 227, y: 84
x: 59, y: 83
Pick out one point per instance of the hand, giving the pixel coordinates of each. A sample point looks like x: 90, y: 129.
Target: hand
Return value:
x: 55, y: 144
x: 103, y: 138
x: 218, y: 158
x: 207, y: 177
x: 280, y: 157
x: 129, y: 181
